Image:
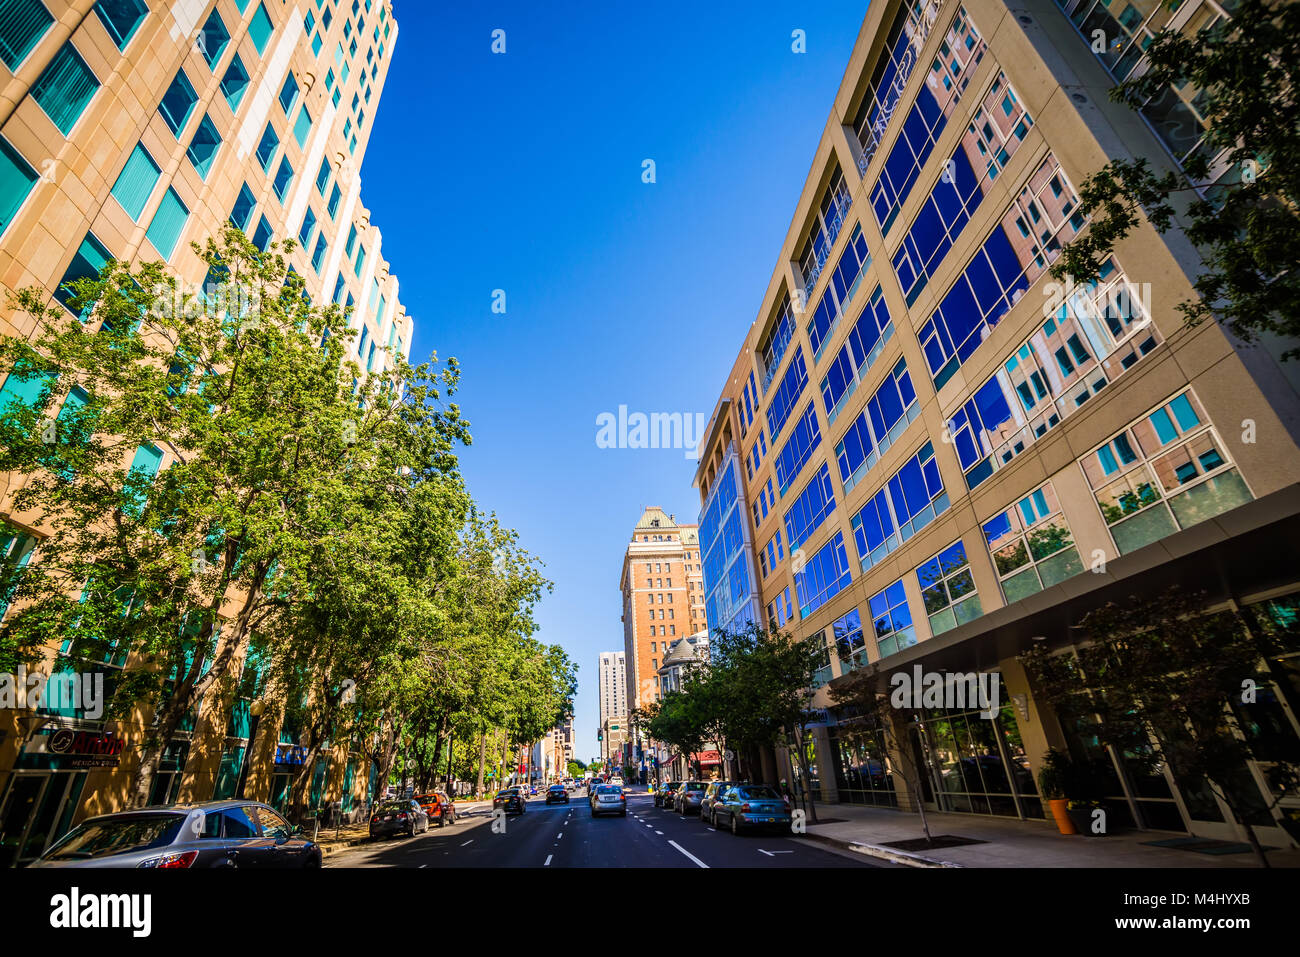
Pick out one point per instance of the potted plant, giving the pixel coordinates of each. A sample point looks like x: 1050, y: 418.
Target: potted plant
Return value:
x: 1052, y: 782
x: 1082, y: 800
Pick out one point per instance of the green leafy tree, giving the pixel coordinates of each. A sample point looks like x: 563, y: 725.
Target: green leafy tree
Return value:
x: 1243, y: 71
x: 266, y: 426
x: 1165, y: 683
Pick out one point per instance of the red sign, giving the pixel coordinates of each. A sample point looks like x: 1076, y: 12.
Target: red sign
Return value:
x: 707, y: 757
x: 67, y: 741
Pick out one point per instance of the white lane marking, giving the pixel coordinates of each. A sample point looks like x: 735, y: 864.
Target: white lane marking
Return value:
x: 560, y: 835
x: 423, y: 866
x: 689, y: 854
x: 713, y: 829
x: 649, y: 825
x: 658, y: 832
x: 548, y: 860
x: 774, y: 853
x: 468, y: 843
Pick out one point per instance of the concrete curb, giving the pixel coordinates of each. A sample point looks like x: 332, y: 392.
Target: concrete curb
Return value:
x: 884, y: 853
x: 328, y: 846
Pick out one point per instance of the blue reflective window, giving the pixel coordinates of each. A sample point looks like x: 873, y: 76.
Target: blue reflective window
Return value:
x: 178, y: 103
x: 213, y: 39
x: 243, y: 209
x: 809, y: 510
x: 824, y: 575
x: 203, y: 146
x: 234, y: 84
x: 787, y: 394
x: 804, y: 438
x: 267, y: 148
x: 121, y: 18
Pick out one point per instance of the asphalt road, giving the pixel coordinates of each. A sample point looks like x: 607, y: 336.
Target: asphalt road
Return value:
x: 568, y: 836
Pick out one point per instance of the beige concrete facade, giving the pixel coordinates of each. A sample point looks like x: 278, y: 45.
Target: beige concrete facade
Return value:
x: 312, y: 73
x: 1025, y: 102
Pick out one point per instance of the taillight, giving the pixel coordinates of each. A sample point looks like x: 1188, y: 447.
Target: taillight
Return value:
x: 374, y: 818
x: 744, y: 807
x: 402, y: 816
x: 171, y: 861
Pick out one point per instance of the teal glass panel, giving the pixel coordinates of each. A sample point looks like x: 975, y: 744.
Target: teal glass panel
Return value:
x: 64, y: 88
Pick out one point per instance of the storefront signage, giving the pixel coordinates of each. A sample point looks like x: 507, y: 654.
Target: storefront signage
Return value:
x: 85, y: 749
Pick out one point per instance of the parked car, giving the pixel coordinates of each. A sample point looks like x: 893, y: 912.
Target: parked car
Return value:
x: 689, y: 796
x: 714, y: 793
x: 664, y: 793
x: 403, y: 816
x: 751, y: 806
x: 438, y: 807
x: 557, y: 794
x: 512, y: 799
x: 609, y: 799
x: 616, y: 781
x: 212, y: 834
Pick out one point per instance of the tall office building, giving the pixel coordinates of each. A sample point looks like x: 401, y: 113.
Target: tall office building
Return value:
x: 663, y: 597
x: 127, y: 131
x: 931, y: 455
x: 613, y: 700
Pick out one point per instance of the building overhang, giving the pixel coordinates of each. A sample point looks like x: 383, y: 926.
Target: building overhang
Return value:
x: 1247, y: 551
x: 720, y: 416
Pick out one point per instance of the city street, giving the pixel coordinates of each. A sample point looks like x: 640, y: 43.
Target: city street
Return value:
x: 567, y: 836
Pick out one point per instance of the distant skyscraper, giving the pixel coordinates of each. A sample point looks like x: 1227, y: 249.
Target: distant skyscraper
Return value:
x: 613, y: 698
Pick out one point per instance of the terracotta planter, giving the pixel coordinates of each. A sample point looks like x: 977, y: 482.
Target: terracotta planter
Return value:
x: 1062, y: 816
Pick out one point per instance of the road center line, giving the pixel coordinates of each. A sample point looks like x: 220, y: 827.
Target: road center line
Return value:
x: 468, y: 843
x: 560, y: 835
x: 689, y: 854
x: 548, y: 860
x: 658, y: 832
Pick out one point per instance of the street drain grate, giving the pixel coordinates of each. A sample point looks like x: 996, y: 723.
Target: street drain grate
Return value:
x: 934, y: 844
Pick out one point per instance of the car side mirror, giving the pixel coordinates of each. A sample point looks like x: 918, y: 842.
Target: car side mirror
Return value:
x: 297, y: 829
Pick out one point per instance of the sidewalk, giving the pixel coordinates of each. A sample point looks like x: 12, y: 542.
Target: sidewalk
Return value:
x: 1011, y: 842
x: 331, y: 839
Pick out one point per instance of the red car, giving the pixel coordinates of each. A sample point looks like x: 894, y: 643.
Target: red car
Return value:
x: 438, y: 806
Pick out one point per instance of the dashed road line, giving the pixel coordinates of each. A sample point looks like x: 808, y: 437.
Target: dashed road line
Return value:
x: 689, y: 854
x: 468, y: 843
x: 548, y: 860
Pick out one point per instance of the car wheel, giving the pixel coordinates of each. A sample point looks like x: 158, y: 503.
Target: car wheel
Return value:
x: 624, y: 814
x: 713, y: 820
x: 735, y: 826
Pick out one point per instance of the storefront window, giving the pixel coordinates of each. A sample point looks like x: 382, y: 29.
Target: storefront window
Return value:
x: 864, y: 773
x: 979, y: 765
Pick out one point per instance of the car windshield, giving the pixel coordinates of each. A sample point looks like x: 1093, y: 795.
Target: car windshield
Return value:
x: 557, y: 787
x: 757, y: 792
x: 117, y: 835
x: 396, y: 806
x: 609, y: 789
x: 693, y: 786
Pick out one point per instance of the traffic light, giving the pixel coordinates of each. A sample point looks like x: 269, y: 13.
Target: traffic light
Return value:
x: 600, y: 734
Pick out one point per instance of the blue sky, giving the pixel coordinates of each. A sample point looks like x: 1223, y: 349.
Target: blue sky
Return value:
x: 523, y: 172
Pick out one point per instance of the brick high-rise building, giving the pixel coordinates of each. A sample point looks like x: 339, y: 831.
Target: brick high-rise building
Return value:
x: 127, y: 131
x: 933, y: 457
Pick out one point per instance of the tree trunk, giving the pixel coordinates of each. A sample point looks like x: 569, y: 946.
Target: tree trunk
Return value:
x: 195, y: 684
x: 482, y: 759
x: 451, y: 757
x: 1251, y: 837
